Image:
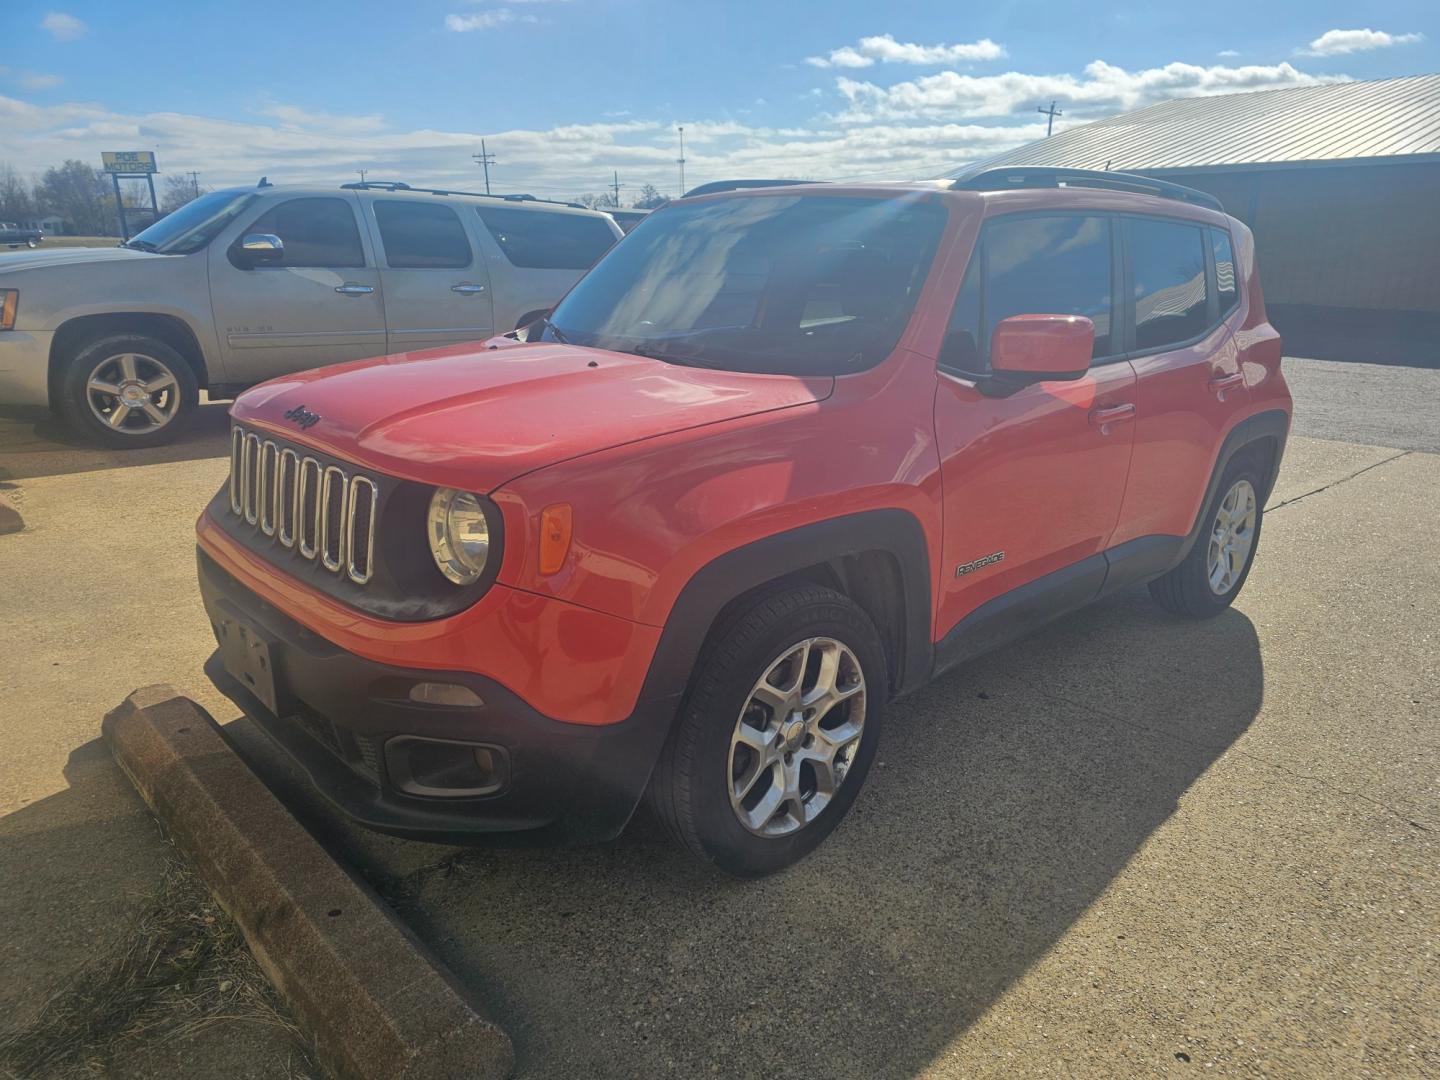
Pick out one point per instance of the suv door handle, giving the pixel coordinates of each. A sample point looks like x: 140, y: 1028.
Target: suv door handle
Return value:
x: 1109, y: 414
x: 352, y: 289
x: 1221, y: 383
x: 467, y: 288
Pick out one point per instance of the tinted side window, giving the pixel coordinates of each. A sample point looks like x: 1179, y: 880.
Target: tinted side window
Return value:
x: 417, y: 234
x: 1040, y: 265
x: 1167, y: 271
x: 1225, y: 283
x: 537, y: 240
x: 316, y: 232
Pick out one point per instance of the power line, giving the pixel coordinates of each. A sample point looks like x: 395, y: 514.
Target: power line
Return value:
x: 1051, y: 112
x: 362, y: 173
x: 484, y: 159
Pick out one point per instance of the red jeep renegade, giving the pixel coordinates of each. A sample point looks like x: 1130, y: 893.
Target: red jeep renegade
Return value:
x: 783, y: 455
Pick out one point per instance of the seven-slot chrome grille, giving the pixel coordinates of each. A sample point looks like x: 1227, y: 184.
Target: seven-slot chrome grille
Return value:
x: 314, y: 508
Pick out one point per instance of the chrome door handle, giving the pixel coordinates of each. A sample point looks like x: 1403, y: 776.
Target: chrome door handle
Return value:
x: 467, y: 288
x: 1107, y: 415
x: 351, y: 289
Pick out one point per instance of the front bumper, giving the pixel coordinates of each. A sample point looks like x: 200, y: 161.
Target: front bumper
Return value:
x: 25, y: 367
x: 337, y: 714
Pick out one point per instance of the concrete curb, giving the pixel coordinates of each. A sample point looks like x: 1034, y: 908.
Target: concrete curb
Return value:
x: 371, y: 998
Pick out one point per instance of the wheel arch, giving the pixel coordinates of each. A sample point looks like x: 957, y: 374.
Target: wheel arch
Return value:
x: 173, y: 331
x: 1260, y: 437
x: 879, y: 558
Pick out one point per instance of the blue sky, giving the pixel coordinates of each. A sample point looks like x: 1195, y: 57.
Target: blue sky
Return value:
x: 565, y: 91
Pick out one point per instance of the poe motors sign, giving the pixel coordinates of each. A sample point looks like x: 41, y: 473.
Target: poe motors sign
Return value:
x: 129, y: 162
x: 131, y: 165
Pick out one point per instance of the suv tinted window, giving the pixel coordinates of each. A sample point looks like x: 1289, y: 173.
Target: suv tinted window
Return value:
x: 1032, y: 265
x: 1167, y: 272
x: 316, y: 232
x: 1225, y: 284
x: 420, y: 234
x: 538, y: 240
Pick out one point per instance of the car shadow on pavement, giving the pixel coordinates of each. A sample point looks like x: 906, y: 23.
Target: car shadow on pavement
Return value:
x: 1005, y: 799
x: 35, y: 442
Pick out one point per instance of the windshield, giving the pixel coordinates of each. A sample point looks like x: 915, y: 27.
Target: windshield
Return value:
x: 194, y: 225
x: 784, y: 284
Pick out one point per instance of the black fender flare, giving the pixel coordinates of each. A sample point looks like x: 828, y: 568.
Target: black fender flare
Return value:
x: 893, y: 531
x: 1271, y: 424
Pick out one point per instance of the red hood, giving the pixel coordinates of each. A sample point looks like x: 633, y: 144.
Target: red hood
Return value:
x: 475, y: 417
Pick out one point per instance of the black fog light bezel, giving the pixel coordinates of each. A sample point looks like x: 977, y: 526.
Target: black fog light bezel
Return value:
x: 400, y: 769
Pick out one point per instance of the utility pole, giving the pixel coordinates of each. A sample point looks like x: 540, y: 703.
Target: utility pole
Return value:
x: 1051, y: 112
x: 616, y: 187
x: 195, y: 182
x: 681, y: 161
x: 484, y: 159
x: 362, y: 173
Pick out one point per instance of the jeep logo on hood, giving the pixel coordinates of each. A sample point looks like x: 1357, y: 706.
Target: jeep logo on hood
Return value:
x: 302, y: 416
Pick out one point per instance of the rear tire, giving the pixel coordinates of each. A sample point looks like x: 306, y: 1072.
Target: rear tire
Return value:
x: 776, y: 734
x: 1216, y: 569
x: 128, y: 391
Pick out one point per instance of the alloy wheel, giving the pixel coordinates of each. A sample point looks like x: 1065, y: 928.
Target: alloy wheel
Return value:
x: 796, y: 737
x: 133, y: 393
x: 1232, y: 536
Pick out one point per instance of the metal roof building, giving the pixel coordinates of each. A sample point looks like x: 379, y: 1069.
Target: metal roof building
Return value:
x: 1341, y: 183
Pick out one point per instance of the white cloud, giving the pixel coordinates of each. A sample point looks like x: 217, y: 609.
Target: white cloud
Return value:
x: 30, y: 80
x: 1103, y: 87
x: 486, y: 20
x: 1343, y: 42
x: 884, y: 49
x: 63, y: 27
x: 1229, y: 54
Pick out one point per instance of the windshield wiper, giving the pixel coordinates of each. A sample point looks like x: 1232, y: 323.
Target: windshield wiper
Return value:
x: 559, y: 336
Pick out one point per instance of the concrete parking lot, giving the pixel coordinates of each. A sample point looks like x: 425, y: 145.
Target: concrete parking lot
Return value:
x: 1129, y: 845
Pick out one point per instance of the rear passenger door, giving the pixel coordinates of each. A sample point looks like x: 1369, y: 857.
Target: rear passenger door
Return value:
x: 437, y: 291
x: 1182, y: 299
x: 538, y: 254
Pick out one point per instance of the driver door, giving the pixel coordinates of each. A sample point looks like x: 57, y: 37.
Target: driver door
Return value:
x: 1032, y: 482
x: 320, y: 303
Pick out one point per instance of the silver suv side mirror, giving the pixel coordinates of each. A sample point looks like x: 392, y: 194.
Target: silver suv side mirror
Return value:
x: 257, y: 249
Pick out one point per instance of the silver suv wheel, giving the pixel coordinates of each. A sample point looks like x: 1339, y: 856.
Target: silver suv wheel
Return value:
x: 132, y: 393
x: 796, y: 737
x: 1232, y: 535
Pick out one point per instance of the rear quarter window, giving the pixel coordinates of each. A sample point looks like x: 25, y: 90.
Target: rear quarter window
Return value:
x: 539, y: 240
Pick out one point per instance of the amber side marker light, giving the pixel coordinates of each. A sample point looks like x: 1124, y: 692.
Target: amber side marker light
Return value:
x: 9, y: 301
x: 555, y: 529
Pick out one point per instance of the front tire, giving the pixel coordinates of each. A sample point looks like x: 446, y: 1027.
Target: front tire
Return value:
x: 777, y: 732
x: 1216, y: 569
x: 32, y: 244
x: 128, y: 391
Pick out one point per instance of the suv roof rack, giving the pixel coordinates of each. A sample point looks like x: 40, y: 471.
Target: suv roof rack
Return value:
x: 398, y: 185
x: 1046, y: 176
x: 735, y: 185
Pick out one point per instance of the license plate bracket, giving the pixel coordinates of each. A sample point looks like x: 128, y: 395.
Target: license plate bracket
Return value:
x: 246, y: 652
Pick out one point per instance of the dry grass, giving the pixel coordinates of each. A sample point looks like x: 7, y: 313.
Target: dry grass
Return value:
x: 184, y: 968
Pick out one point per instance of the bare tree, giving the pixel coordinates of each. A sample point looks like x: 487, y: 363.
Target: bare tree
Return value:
x: 178, y: 190
x: 16, y: 201
x: 603, y: 201
x: 649, y: 198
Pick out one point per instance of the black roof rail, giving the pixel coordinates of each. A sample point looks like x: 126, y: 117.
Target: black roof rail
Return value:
x: 735, y: 185
x: 1049, y: 176
x: 396, y: 185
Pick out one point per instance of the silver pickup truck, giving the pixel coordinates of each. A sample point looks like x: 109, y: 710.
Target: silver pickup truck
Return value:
x: 246, y: 284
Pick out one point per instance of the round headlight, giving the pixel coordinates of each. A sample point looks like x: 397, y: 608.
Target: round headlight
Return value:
x: 459, y: 535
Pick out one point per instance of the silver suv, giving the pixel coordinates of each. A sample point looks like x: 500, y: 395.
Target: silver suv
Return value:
x: 250, y: 283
